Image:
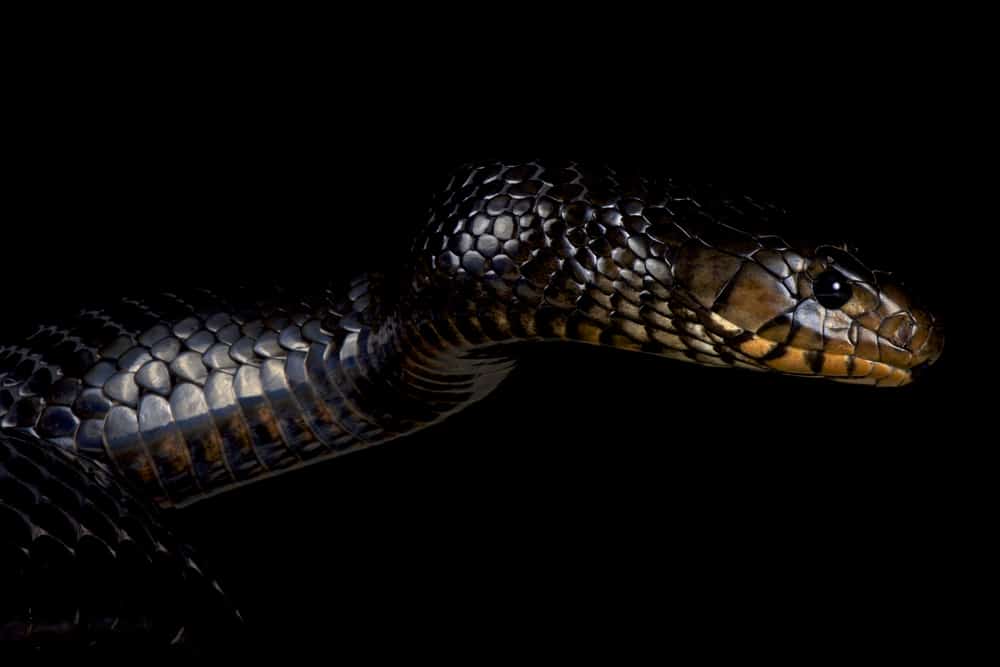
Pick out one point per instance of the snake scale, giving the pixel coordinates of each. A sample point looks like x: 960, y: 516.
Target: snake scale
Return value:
x: 161, y: 402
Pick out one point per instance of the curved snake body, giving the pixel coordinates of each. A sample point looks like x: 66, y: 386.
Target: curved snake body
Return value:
x: 184, y: 396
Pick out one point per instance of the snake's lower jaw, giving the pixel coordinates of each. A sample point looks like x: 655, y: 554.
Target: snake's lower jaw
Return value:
x: 864, y: 357
x: 766, y: 354
x: 841, y: 368
x: 879, y: 375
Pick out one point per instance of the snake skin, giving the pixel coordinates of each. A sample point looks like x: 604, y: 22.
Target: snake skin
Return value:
x: 187, y: 395
x: 87, y: 562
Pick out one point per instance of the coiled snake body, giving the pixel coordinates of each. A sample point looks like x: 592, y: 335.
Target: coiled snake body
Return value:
x: 169, y: 400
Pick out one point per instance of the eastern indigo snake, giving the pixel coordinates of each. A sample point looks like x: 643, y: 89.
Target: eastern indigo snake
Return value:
x: 167, y: 400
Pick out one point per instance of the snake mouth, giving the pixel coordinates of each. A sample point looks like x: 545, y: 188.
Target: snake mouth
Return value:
x: 848, y: 368
x: 880, y: 375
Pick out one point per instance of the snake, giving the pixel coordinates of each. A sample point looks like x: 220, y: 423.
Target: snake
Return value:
x: 124, y: 414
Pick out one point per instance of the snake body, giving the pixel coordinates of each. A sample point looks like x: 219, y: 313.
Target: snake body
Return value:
x: 169, y: 400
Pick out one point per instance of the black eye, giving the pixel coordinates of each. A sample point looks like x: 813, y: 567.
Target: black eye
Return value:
x: 832, y: 289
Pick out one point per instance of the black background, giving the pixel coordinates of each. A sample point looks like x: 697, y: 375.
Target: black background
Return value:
x: 600, y: 503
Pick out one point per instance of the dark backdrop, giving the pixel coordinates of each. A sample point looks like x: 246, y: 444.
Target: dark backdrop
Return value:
x: 599, y: 502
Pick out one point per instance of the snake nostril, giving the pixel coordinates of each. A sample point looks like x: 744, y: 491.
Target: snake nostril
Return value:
x: 905, y: 332
x: 900, y: 329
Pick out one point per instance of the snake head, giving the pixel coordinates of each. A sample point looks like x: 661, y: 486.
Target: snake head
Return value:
x: 819, y: 312
x: 532, y: 251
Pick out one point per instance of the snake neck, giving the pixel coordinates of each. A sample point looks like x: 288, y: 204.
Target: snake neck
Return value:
x: 189, y: 397
x: 403, y: 363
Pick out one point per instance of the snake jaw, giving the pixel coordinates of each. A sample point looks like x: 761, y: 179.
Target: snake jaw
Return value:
x: 894, y: 369
x: 872, y: 360
x: 755, y: 351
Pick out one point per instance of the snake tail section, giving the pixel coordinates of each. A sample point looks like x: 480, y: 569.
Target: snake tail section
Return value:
x: 85, y: 563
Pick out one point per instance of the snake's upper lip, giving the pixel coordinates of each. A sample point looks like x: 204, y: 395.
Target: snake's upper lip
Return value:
x: 930, y: 355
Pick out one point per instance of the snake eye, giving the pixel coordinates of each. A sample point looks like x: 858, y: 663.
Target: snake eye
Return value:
x: 832, y: 289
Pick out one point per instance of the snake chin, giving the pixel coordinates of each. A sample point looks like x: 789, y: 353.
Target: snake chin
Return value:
x: 845, y: 368
x: 760, y: 353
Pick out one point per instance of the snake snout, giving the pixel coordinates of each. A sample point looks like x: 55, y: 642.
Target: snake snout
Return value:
x: 930, y: 351
x: 910, y: 336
